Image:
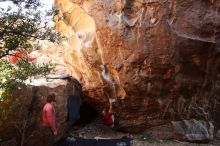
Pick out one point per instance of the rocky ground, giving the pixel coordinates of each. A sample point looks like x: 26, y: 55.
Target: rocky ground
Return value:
x: 96, y: 129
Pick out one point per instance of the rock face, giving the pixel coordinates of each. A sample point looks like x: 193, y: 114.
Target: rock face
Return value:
x: 158, y: 58
x: 25, y: 117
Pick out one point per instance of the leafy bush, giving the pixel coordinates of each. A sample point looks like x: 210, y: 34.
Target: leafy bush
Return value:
x: 21, y: 29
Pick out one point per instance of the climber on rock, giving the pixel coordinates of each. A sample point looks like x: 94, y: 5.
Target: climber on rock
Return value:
x: 108, y: 116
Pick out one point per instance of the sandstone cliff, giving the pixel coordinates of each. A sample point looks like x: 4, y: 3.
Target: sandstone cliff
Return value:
x: 159, y: 59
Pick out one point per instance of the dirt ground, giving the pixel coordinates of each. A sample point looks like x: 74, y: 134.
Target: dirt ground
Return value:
x: 96, y: 129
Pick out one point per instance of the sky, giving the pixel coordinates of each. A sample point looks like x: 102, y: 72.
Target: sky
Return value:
x: 47, y: 4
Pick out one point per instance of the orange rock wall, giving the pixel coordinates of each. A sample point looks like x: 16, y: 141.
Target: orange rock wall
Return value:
x: 159, y: 59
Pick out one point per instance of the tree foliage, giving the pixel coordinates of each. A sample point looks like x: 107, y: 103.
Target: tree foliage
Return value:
x: 22, y: 27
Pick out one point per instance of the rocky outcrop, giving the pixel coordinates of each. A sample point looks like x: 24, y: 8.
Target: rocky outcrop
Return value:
x: 193, y: 130
x: 25, y: 117
x: 158, y: 58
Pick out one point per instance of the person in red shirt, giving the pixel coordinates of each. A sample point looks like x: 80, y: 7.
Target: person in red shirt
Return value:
x: 108, y: 116
x: 49, y: 121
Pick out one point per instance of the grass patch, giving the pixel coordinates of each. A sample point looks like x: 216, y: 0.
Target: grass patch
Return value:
x: 149, y: 138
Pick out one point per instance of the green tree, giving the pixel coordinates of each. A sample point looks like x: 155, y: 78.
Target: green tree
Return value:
x: 22, y: 27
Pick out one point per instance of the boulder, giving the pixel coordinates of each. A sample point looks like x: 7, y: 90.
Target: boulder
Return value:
x: 158, y: 59
x: 25, y: 115
x: 193, y: 130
